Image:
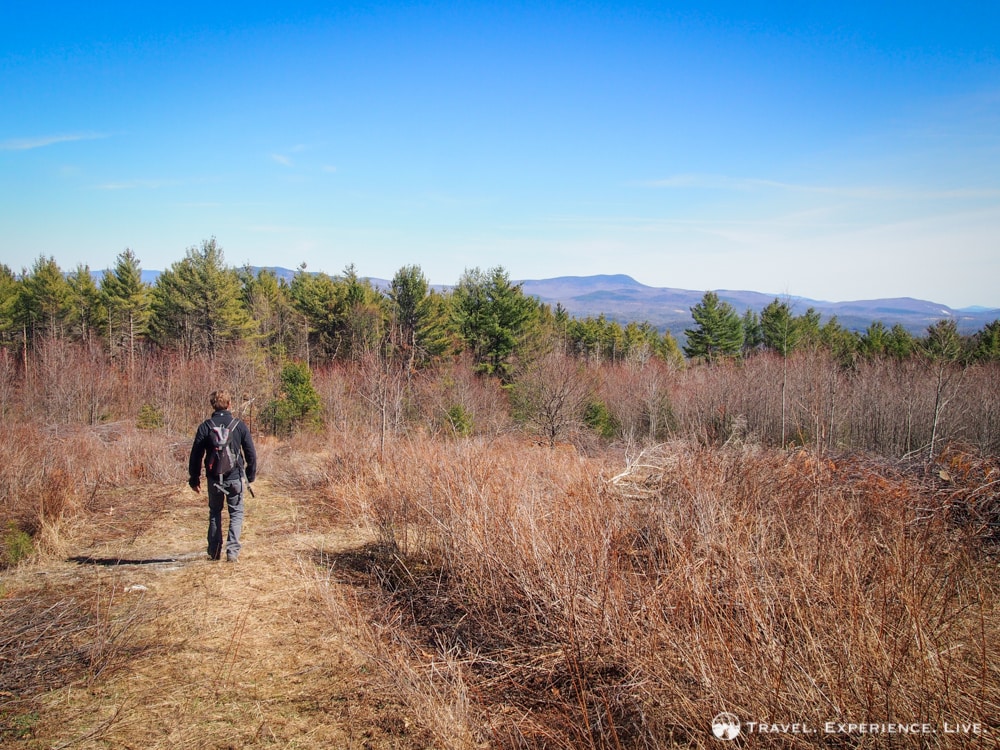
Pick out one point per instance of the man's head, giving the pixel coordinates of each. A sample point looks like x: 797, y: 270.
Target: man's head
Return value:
x: 220, y: 399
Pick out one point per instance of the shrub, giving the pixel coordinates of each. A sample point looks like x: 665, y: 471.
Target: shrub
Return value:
x: 597, y: 416
x: 150, y: 417
x: 17, y: 546
x: 623, y: 612
x: 459, y: 420
x: 299, y: 403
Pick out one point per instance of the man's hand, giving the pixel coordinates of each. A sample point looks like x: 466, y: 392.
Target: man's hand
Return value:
x: 195, y: 484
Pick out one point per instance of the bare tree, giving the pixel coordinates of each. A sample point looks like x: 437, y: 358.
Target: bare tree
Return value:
x: 551, y: 393
x: 943, y: 347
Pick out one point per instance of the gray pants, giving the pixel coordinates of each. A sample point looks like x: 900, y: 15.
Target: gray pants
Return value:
x: 228, y: 492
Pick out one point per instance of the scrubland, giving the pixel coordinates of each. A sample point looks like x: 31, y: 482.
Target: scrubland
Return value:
x: 409, y: 586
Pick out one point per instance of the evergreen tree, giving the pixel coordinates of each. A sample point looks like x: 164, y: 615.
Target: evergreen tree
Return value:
x: 344, y: 314
x: 778, y: 328
x: 318, y: 298
x: 638, y: 341
x: 874, y: 342
x: 10, y: 291
x: 43, y: 302
x: 840, y: 342
x: 669, y: 350
x: 417, y: 325
x: 492, y: 316
x: 298, y: 404
x: 942, y: 343
x: 753, y: 336
x: 585, y: 336
x: 719, y: 330
x: 986, y: 343
x: 269, y: 303
x: 84, y: 301
x: 364, y: 315
x: 899, y: 343
x: 434, y: 335
x: 126, y: 300
x: 808, y: 329
x: 198, y: 305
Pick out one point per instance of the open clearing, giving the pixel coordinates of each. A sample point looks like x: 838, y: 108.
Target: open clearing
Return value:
x: 150, y: 644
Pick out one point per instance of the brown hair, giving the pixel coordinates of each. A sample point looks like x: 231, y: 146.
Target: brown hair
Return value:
x: 220, y: 399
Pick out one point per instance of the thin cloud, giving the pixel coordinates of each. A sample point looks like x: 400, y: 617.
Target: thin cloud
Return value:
x: 282, y: 160
x: 27, y: 144
x: 867, y: 192
x: 275, y: 229
x: 135, y: 185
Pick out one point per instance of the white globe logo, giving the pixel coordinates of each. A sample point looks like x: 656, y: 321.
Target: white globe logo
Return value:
x: 726, y: 726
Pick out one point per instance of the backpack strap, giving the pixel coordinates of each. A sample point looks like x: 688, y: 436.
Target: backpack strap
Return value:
x: 209, y: 423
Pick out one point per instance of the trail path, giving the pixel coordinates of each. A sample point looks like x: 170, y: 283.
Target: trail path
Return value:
x: 243, y: 655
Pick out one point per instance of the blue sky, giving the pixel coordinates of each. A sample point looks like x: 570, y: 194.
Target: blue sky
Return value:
x: 829, y: 150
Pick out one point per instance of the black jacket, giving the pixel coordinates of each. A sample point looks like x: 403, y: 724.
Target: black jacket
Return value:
x: 240, y: 440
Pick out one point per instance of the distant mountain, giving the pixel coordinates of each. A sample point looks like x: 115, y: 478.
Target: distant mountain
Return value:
x: 621, y: 298
x: 624, y: 299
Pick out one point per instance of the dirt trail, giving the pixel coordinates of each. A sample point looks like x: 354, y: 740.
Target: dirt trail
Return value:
x: 233, y: 655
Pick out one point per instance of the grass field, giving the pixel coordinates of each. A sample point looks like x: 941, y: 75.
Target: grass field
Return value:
x: 493, y: 592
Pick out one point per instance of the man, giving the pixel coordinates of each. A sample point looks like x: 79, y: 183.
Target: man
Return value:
x: 223, y: 432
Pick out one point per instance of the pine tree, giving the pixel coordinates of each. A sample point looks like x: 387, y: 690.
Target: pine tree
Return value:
x: 413, y: 312
x: 753, y: 337
x: 840, y: 342
x: 778, y: 328
x: 269, y: 303
x: 198, y: 305
x: 807, y: 326
x: 9, y: 294
x: 299, y: 404
x: 364, y: 315
x: 43, y: 302
x: 319, y: 300
x: 987, y: 343
x: 670, y: 351
x: 492, y: 316
x: 719, y: 331
x: 899, y: 343
x: 874, y: 342
x: 126, y: 299
x: 84, y: 302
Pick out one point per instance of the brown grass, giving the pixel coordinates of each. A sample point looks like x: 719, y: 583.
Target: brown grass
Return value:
x: 550, y: 600
x: 135, y: 639
x: 440, y: 592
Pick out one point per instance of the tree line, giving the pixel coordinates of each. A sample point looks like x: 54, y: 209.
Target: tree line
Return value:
x: 720, y: 332
x: 200, y: 305
x: 479, y: 357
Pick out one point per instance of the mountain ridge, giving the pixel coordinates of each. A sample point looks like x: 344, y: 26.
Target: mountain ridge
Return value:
x: 622, y: 298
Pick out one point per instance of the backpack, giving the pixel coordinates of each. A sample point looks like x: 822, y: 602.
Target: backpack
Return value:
x: 222, y: 457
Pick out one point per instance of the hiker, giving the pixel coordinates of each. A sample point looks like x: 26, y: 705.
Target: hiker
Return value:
x: 230, y: 465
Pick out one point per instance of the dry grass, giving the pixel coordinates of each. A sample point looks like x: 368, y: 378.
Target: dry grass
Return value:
x: 544, y: 599
x: 493, y: 592
x: 138, y: 640
x: 53, y: 473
